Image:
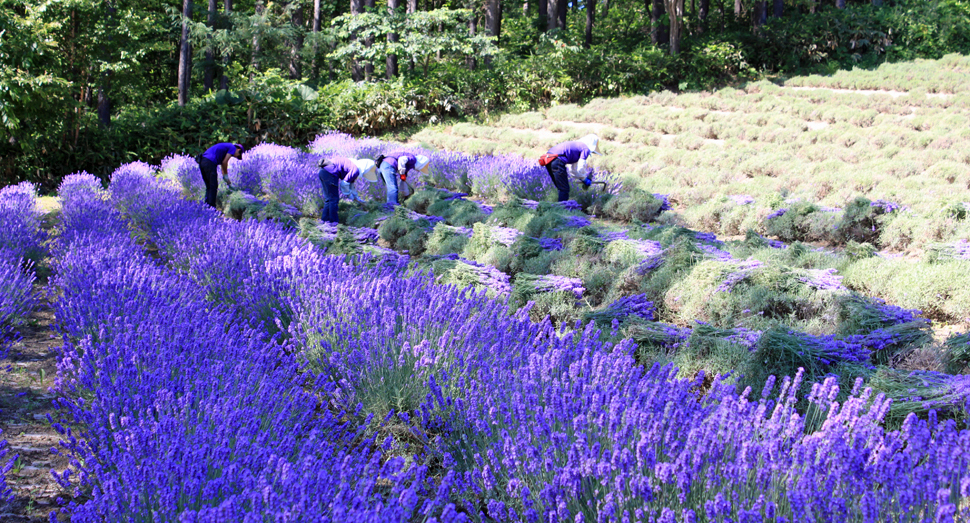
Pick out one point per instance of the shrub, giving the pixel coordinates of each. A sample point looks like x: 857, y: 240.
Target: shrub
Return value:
x: 403, y: 233
x: 957, y: 353
x: 630, y: 206
x: 859, y: 222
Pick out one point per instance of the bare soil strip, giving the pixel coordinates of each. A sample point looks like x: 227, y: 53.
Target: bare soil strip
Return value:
x: 25, y: 377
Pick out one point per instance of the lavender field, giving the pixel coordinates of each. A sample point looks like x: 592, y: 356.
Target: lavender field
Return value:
x: 477, y: 354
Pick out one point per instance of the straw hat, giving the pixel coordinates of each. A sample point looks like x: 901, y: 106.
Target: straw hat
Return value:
x: 367, y: 168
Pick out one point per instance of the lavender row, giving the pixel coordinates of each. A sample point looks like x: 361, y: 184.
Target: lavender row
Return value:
x: 176, y: 408
x: 21, y: 246
x: 290, y: 175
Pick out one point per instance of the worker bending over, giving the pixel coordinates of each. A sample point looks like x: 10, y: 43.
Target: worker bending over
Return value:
x: 399, y: 163
x: 216, y: 156
x: 335, y: 170
x: 569, y: 159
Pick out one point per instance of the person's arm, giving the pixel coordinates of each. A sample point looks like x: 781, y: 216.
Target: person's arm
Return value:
x: 225, y: 165
x: 402, y: 167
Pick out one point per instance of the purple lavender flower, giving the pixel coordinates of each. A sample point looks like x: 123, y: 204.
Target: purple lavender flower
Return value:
x: 666, y: 201
x: 743, y: 270
x: 885, y: 206
x: 551, y: 244
x: 636, y: 305
x: 714, y: 253
x: 610, y: 236
x: 553, y: 283
x: 576, y: 222
x: 776, y: 214
x: 707, y: 237
x: 823, y: 279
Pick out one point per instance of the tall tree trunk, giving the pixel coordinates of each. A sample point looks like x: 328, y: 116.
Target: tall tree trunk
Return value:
x: 758, y: 15
x: 356, y: 71
x: 552, y: 8
x: 737, y: 9
x: 368, y: 42
x: 544, y: 14
x: 778, y: 8
x: 562, y: 9
x: 209, y: 74
x: 471, y: 62
x: 412, y: 8
x: 493, y: 23
x: 392, y: 6
x: 704, y: 9
x: 185, y: 56
x: 659, y: 32
x: 296, y: 46
x: 315, y: 64
x: 840, y: 4
x: 675, y: 12
x: 223, y: 79
x: 606, y: 8
x: 257, y: 44
x: 590, y: 18
x: 525, y: 9
x: 104, y: 102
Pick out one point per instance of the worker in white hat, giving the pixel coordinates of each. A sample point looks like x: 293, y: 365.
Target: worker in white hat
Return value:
x: 568, y: 159
x: 335, y: 170
x: 397, y: 165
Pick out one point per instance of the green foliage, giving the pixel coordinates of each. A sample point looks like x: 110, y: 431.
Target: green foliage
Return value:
x: 859, y: 222
x: 242, y: 205
x: 708, y: 349
x: 918, y: 393
x: 781, y: 352
x: 445, y: 240
x: 957, y: 353
x: 404, y: 234
x: 635, y: 205
x: 424, y: 35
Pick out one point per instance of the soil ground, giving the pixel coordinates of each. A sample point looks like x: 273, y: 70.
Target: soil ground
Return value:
x: 25, y: 401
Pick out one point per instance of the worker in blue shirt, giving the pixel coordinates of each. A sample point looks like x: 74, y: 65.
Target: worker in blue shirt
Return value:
x: 216, y: 156
x: 569, y: 159
x: 336, y: 170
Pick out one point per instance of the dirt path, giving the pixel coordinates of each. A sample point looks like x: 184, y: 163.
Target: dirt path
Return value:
x: 25, y: 376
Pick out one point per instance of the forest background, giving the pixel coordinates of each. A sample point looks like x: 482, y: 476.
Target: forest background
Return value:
x: 89, y: 85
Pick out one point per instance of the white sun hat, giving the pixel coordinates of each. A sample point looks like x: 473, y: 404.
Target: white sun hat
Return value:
x: 421, y: 163
x: 367, y: 168
x: 592, y: 142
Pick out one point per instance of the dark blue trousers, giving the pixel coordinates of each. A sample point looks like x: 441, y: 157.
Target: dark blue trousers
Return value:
x: 560, y: 178
x: 211, y: 180
x: 331, y: 195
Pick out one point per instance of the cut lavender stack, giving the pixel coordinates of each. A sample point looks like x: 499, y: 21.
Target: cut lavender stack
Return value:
x: 550, y: 244
x: 742, y: 271
x: 714, y: 253
x: 636, y: 306
x: 823, y: 279
x: 555, y: 283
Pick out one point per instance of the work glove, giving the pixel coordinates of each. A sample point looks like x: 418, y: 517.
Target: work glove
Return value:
x: 587, y: 181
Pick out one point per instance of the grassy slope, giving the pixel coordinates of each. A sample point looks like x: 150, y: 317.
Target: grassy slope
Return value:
x: 900, y: 133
